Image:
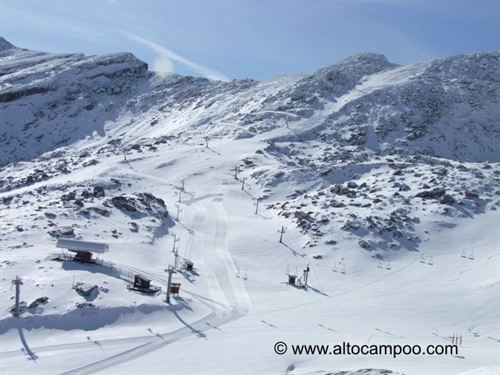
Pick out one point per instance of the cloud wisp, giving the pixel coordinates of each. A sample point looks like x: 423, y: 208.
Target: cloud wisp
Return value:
x: 166, y: 55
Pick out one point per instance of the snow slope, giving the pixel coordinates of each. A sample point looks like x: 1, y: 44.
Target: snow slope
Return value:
x: 385, y: 177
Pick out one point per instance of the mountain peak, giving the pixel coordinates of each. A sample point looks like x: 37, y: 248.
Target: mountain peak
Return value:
x: 358, y: 65
x: 5, y: 45
x: 369, y: 61
x: 367, y: 57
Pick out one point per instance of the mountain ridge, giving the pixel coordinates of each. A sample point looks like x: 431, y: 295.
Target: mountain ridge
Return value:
x: 122, y: 78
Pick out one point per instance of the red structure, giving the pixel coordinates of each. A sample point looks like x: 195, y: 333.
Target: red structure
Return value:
x: 175, y: 288
x: 84, y: 257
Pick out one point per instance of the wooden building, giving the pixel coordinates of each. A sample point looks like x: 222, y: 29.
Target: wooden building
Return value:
x: 143, y: 284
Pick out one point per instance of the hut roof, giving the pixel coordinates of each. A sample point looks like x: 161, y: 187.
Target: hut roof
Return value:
x: 77, y: 245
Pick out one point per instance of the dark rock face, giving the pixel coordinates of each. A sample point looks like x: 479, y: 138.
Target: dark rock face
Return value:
x: 448, y: 199
x: 87, y: 212
x: 124, y: 204
x: 140, y: 205
x: 303, y: 219
x: 431, y: 194
x: 56, y: 89
x: 38, y: 302
x: 340, y: 190
x: 98, y: 192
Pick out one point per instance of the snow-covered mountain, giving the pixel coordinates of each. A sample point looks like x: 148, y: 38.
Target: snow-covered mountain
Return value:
x: 386, y: 178
x: 363, y: 100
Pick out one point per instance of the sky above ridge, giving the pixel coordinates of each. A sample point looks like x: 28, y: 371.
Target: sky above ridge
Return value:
x: 253, y: 39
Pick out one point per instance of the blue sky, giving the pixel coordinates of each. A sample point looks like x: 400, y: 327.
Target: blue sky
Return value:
x: 254, y: 39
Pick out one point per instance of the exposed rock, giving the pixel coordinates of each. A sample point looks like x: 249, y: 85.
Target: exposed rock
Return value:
x: 38, y: 302
x: 364, y: 244
x: 431, y: 194
x: 84, y: 305
x: 124, y: 203
x: 448, y: 199
x: 87, y: 212
x: 68, y: 196
x: 86, y: 290
x: 140, y: 205
x: 98, y: 192
x: 336, y: 204
x: 471, y: 195
x: 350, y: 225
x: 62, y: 232
x: 404, y: 187
x: 90, y: 162
x: 339, y: 190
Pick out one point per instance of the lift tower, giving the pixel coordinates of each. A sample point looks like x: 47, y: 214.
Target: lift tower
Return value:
x: 17, y: 282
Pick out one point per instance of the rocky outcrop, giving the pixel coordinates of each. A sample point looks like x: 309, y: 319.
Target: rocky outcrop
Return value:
x: 140, y: 205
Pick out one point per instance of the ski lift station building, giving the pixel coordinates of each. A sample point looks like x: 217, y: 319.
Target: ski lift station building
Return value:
x: 83, y: 249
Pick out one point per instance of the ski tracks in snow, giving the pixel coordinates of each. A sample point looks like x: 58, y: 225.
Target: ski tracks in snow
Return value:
x: 229, y: 299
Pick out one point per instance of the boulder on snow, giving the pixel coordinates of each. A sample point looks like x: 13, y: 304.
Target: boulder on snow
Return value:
x: 87, y: 212
x: 98, y: 192
x: 38, y: 302
x: 404, y: 187
x: 336, y: 204
x: 448, y: 199
x: 431, y: 194
x: 86, y: 290
x: 340, y: 190
x: 62, y: 232
x: 85, y: 305
x: 50, y: 215
x: 71, y: 196
x: 364, y: 244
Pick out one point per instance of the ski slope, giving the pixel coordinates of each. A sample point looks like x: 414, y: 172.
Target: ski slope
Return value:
x: 410, y: 303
